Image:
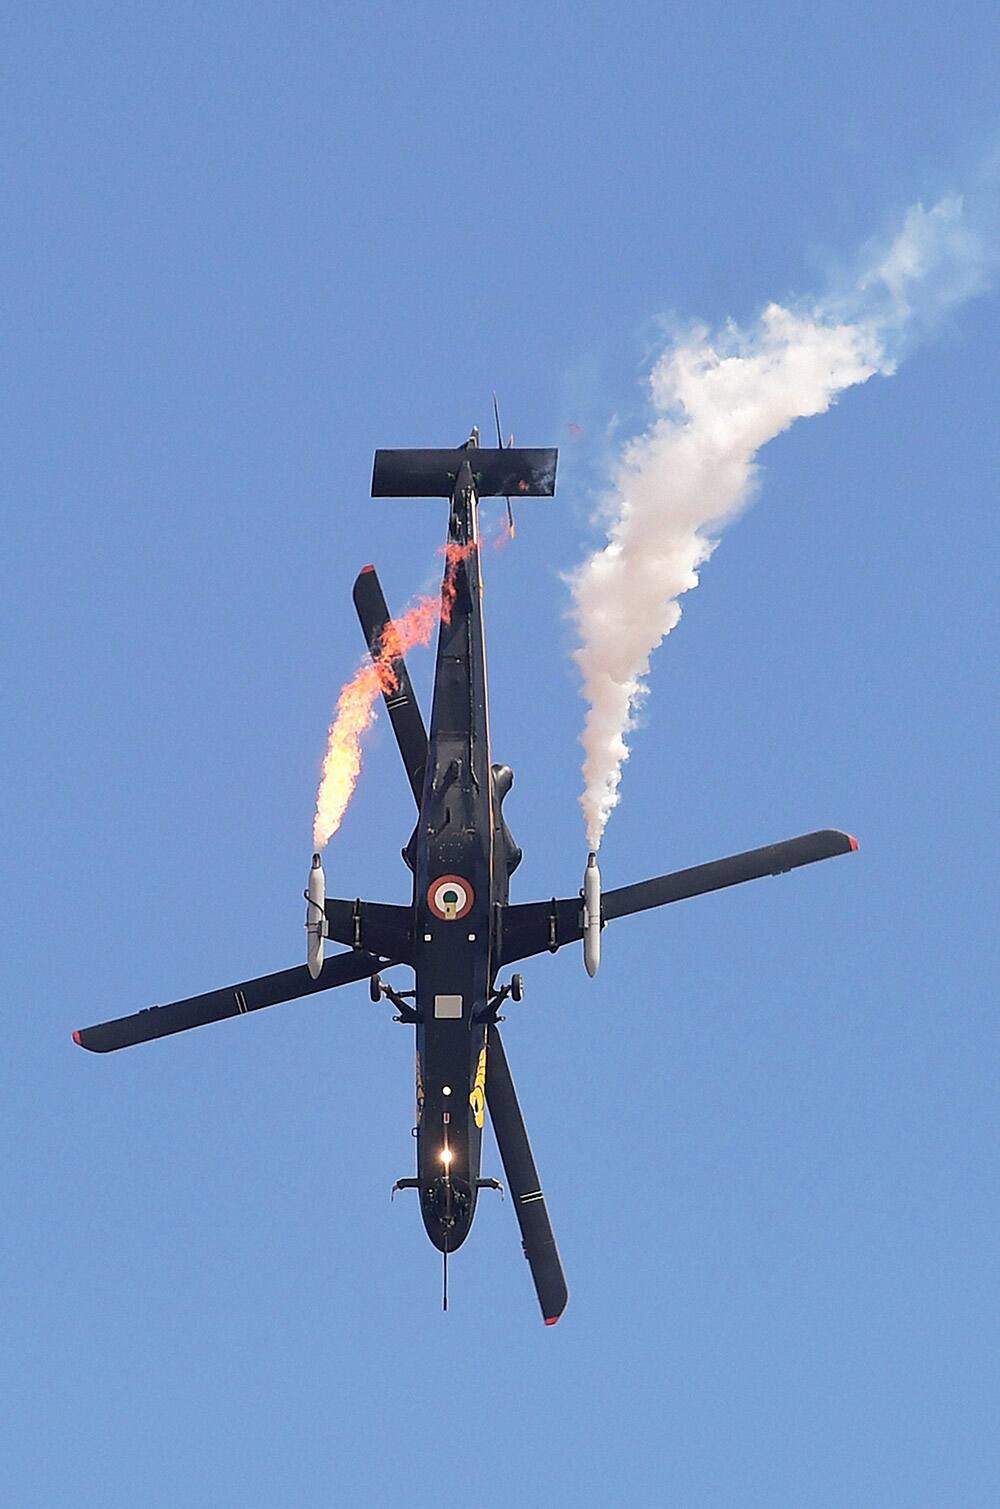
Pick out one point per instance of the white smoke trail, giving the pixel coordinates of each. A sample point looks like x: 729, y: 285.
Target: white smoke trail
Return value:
x: 717, y: 400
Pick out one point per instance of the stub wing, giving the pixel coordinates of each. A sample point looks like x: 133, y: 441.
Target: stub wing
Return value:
x: 232, y: 1000
x: 541, y: 926
x: 376, y: 926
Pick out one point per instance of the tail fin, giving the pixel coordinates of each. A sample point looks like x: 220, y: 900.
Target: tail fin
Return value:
x: 496, y: 473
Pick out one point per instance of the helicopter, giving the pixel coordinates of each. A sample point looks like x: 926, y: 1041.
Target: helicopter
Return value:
x: 460, y: 931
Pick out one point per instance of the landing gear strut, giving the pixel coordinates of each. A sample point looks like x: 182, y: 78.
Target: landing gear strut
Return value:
x: 377, y: 988
x: 514, y: 989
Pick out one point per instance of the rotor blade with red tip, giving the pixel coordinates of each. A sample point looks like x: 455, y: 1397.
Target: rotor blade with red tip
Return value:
x: 536, y: 926
x: 754, y: 864
x: 522, y: 1181
x: 232, y: 1000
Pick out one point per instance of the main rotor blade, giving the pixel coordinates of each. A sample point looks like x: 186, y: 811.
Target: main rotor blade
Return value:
x: 536, y: 926
x: 403, y: 708
x: 753, y: 864
x: 232, y: 1000
x: 523, y: 1182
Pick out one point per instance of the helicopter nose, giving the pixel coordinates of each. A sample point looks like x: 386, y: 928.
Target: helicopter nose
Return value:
x: 447, y: 1209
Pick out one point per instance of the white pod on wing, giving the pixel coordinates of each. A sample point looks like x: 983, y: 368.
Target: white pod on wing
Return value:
x: 592, y: 915
x: 315, y: 917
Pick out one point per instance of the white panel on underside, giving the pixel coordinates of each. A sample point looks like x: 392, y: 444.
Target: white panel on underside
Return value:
x: 448, y: 1006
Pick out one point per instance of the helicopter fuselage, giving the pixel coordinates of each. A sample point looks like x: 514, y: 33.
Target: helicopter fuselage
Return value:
x: 460, y: 880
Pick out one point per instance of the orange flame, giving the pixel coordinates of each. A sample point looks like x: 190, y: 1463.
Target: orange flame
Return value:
x: 356, y: 703
x: 504, y: 536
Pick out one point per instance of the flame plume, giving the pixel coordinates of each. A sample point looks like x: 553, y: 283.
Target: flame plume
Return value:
x: 357, y: 700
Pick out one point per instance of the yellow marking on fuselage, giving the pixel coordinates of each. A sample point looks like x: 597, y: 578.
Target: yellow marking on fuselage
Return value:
x: 477, y: 1096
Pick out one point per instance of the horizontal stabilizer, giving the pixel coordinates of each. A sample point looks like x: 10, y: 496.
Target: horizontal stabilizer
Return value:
x: 496, y: 473
x: 232, y: 1000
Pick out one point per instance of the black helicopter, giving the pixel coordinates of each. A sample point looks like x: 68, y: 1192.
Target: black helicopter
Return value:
x: 460, y: 929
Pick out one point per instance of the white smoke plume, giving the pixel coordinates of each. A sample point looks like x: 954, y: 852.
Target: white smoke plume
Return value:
x: 716, y: 400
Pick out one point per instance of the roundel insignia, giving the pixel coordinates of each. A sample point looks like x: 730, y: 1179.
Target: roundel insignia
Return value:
x: 450, y: 898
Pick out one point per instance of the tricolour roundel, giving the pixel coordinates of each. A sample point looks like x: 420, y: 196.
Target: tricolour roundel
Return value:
x: 450, y: 898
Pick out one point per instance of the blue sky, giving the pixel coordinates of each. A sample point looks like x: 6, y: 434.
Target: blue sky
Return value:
x: 244, y: 246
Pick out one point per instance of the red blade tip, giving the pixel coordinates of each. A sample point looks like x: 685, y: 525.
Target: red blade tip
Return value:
x: 855, y: 846
x: 76, y: 1039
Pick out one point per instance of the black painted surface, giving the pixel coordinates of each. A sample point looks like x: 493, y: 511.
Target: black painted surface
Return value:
x: 495, y: 473
x: 231, y: 1000
x: 400, y: 700
x: 523, y: 1183
x: 538, y: 926
x: 453, y: 957
x: 375, y: 926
